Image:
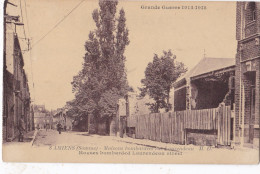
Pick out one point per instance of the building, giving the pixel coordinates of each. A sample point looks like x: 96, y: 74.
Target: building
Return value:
x: 242, y: 91
x: 61, y: 116
x: 42, y: 117
x: 206, y: 85
x: 247, y: 81
x: 16, y: 96
x: 127, y: 109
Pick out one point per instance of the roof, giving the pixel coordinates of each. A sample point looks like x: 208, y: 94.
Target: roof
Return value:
x: 206, y: 65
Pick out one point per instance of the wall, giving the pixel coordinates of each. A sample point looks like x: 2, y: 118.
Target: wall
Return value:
x: 16, y: 89
x: 247, y: 64
x: 8, y: 112
x: 180, y: 99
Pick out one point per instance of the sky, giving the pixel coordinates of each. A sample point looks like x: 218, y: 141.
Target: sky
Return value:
x: 58, y: 57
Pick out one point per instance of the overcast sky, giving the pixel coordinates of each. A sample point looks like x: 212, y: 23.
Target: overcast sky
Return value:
x: 58, y: 57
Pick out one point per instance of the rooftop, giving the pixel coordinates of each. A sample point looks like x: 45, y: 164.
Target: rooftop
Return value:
x: 207, y: 65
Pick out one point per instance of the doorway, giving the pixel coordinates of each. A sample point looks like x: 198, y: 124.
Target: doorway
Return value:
x: 252, y: 78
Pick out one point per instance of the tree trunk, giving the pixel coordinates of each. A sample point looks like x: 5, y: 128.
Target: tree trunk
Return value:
x: 92, y: 124
x: 157, y: 107
x: 168, y: 101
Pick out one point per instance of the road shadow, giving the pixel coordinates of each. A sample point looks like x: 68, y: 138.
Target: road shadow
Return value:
x: 85, y: 134
x: 25, y: 140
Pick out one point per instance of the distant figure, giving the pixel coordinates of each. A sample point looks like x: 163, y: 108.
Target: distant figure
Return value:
x: 47, y: 127
x: 59, y: 127
x: 21, y: 129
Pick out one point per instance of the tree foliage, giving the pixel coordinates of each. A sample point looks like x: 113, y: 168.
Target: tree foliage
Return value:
x: 159, y: 78
x: 102, y: 80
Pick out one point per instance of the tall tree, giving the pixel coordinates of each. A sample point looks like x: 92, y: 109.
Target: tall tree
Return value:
x: 159, y: 78
x: 102, y: 80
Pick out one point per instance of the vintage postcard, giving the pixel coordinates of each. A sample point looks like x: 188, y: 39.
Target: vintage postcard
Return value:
x: 98, y: 81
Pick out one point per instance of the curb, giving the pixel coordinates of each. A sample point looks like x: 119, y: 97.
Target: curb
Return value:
x: 34, y: 136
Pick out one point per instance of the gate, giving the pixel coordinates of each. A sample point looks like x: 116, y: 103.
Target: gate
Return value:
x: 224, y: 126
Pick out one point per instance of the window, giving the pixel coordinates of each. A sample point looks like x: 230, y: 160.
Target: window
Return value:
x: 254, y: 15
x: 250, y: 12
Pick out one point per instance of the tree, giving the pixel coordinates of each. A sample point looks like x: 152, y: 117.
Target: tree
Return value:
x: 159, y: 78
x: 102, y: 80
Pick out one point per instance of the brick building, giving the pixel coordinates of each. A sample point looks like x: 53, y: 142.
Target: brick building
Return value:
x: 247, y: 81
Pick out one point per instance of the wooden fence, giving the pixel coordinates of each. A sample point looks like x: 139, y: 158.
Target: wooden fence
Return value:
x: 224, y: 126
x: 171, y: 127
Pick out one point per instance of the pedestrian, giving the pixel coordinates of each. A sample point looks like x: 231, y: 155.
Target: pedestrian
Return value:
x: 21, y: 128
x: 59, y: 128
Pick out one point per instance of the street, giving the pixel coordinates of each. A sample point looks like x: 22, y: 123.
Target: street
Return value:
x: 50, y: 146
x: 53, y: 138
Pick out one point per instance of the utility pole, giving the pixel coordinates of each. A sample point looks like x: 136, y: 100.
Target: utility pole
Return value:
x: 16, y: 18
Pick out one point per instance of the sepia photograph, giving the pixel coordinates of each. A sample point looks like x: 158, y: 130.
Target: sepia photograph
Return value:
x: 117, y: 81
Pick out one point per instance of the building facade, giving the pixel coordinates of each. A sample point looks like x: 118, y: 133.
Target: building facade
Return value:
x: 62, y: 117
x: 16, y: 96
x: 247, y: 81
x: 42, y: 118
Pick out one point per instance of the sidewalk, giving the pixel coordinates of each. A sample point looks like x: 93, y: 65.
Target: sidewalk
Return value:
x: 178, y: 147
x: 29, y: 138
x: 15, y: 150
x: 156, y: 144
